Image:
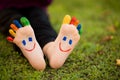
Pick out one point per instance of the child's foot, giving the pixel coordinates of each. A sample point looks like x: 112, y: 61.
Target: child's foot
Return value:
x: 25, y: 39
x: 58, y: 51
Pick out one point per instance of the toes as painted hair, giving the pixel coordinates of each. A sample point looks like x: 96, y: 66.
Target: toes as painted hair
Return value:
x: 66, y: 19
x: 24, y: 21
x: 74, y: 21
x: 13, y: 26
x: 12, y: 32
x: 10, y: 39
x: 17, y: 23
x: 79, y: 28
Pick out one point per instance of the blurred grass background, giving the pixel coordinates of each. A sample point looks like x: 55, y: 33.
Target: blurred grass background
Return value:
x: 94, y: 58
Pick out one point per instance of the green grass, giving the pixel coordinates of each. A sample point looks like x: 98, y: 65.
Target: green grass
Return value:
x: 94, y: 58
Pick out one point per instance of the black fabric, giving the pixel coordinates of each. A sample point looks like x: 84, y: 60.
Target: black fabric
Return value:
x: 41, y: 25
x: 39, y: 21
x: 6, y: 18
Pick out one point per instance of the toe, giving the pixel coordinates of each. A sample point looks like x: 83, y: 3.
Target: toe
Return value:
x: 24, y: 21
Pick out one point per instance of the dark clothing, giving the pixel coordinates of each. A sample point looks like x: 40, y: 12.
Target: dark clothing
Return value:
x: 41, y: 25
x: 38, y: 18
x: 23, y: 3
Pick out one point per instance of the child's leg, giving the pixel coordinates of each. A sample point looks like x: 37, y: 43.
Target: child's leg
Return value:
x: 41, y: 25
x: 6, y: 18
x: 58, y: 51
x: 25, y: 39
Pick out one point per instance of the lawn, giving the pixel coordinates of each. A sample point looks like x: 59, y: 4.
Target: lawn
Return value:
x: 94, y: 57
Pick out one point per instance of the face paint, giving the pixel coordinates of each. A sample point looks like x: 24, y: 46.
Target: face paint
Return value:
x: 69, y: 43
x: 64, y: 38
x: 28, y: 44
x: 24, y: 42
x: 30, y: 39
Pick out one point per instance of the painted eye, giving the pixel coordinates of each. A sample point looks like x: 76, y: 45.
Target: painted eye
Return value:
x: 30, y: 39
x: 24, y: 42
x: 70, y: 42
x: 64, y: 38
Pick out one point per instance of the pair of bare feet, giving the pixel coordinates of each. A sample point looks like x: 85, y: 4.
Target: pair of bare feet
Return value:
x: 56, y: 52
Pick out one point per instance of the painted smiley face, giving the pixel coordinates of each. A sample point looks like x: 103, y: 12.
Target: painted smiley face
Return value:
x: 69, y: 44
x: 29, y: 45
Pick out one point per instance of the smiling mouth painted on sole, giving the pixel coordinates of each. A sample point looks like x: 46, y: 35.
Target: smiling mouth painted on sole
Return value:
x: 29, y: 50
x: 60, y: 47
